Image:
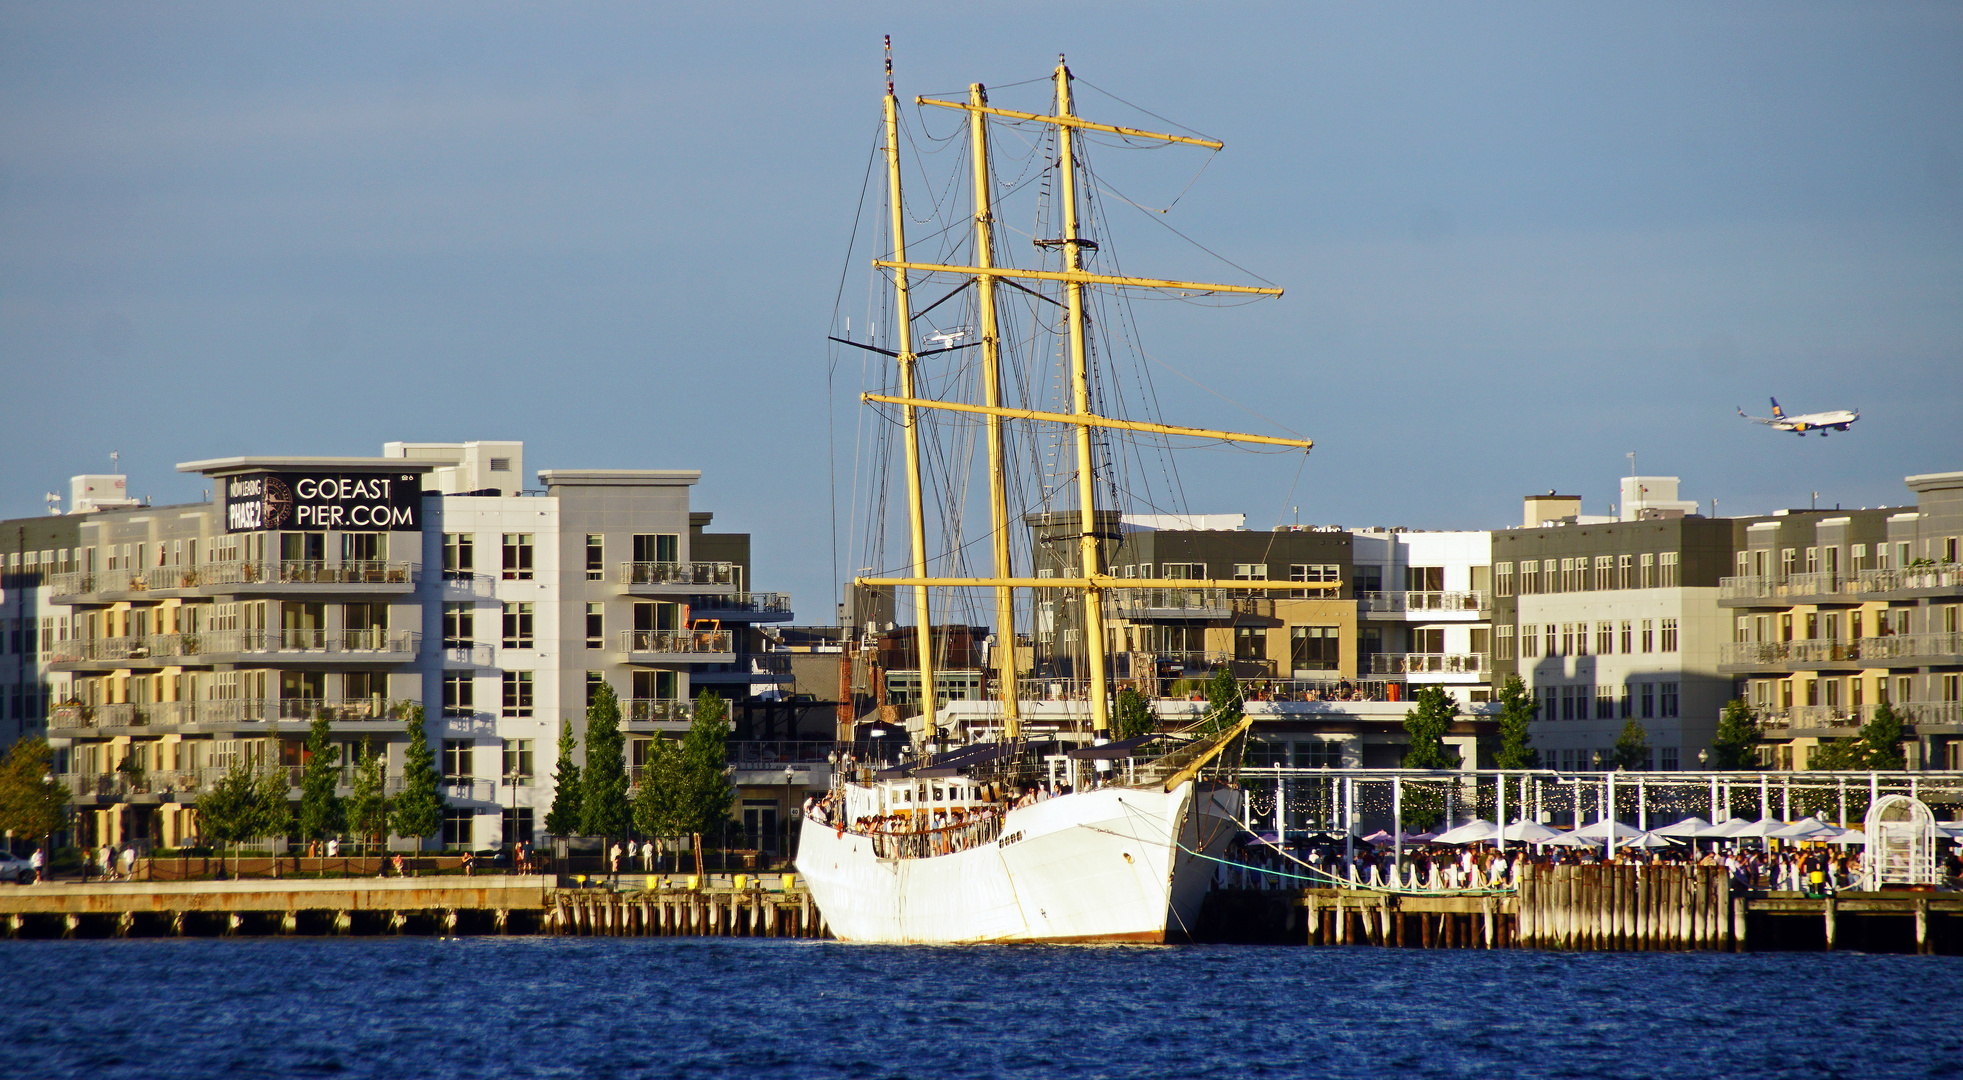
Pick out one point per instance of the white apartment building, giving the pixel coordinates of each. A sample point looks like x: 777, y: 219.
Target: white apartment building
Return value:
x: 1424, y: 608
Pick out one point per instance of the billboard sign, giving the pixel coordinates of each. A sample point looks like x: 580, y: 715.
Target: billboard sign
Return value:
x: 318, y: 501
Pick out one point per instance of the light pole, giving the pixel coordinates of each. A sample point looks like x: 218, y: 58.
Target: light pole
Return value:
x: 790, y: 812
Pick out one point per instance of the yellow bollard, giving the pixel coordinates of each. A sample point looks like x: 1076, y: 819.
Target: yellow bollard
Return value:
x: 742, y: 882
x: 790, y: 882
x: 695, y: 881
x: 654, y: 882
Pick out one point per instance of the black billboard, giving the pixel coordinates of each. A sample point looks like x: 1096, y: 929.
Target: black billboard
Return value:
x: 319, y: 501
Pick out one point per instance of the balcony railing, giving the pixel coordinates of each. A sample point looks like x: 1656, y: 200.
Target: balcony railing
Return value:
x: 658, y: 709
x: 675, y: 641
x: 775, y: 754
x: 1422, y: 601
x: 77, y: 716
x: 1828, y: 583
x: 1196, y: 604
x: 681, y: 573
x: 1427, y: 663
x: 312, y: 641
x: 760, y: 603
x: 1775, y: 654
x: 199, y: 575
x: 1823, y: 717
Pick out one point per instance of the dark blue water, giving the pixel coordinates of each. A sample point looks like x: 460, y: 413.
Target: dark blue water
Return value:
x: 573, y: 1007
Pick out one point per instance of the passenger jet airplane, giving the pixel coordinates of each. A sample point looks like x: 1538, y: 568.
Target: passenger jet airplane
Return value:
x: 1821, y: 422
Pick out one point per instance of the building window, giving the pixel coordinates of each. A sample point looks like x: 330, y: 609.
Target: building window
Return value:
x: 1250, y: 642
x: 594, y: 680
x: 1567, y: 702
x: 596, y: 625
x: 1647, y: 568
x: 1503, y: 642
x: 1669, y: 635
x: 1649, y: 638
x: 517, y: 824
x: 1625, y: 576
x: 657, y: 548
x: 1184, y: 571
x: 596, y: 557
x: 1325, y: 572
x: 1788, y: 561
x: 1605, y: 702
x: 1553, y: 643
x: 518, y: 693
x: 459, y: 694
x: 1604, y: 571
x: 1605, y: 638
x: 459, y: 626
x: 1628, y: 701
x: 518, y: 556
x: 518, y: 761
x: 1581, y: 639
x: 1667, y: 570
x: 1424, y: 579
x: 517, y: 626
x: 1503, y: 579
x: 1567, y: 639
x: 1529, y: 641
x: 459, y: 556
x: 1250, y: 572
x: 1529, y: 576
x: 1667, y: 758
x: 1669, y: 702
x: 456, y: 827
x: 1314, y: 648
x: 456, y: 759
x: 1648, y: 697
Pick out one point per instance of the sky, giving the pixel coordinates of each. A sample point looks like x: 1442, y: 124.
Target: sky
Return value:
x: 1518, y: 241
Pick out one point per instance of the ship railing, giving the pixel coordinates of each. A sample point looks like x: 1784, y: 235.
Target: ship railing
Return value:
x: 945, y: 840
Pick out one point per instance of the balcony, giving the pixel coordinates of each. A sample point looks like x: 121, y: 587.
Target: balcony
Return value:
x: 1895, y: 650
x: 669, y: 578
x: 743, y: 607
x: 227, y: 578
x: 365, y: 646
x: 75, y: 716
x: 1424, y: 605
x: 1828, y: 586
x: 654, y: 709
x: 1169, y: 605
x: 677, y: 646
x: 1839, y: 722
x: 1428, y: 664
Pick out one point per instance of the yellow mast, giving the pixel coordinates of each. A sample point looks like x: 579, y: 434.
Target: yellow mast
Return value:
x: 991, y: 345
x: 909, y: 419
x: 1080, y: 391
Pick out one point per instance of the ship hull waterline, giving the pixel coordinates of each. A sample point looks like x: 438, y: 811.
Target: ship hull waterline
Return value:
x: 1112, y: 865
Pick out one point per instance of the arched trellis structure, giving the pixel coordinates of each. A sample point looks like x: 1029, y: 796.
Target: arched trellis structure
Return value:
x: 1901, y: 842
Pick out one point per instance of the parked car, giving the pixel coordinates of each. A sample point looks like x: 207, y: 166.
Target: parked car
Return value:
x: 16, y: 869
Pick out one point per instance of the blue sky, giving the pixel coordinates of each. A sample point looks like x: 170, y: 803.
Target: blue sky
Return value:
x: 1519, y: 241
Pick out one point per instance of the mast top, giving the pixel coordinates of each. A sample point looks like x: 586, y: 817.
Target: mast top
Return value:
x: 889, y: 65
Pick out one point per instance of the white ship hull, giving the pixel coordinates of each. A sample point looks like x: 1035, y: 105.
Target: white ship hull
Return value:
x: 1093, y: 866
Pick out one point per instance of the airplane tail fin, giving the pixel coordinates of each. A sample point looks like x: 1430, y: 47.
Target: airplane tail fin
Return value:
x: 1777, y: 412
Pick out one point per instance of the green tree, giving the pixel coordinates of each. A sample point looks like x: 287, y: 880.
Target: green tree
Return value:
x: 1223, y: 701
x: 245, y: 804
x: 367, y: 804
x: 1517, y: 712
x: 563, y: 818
x: 1430, y: 718
x: 321, y: 812
x: 31, y: 797
x: 1735, y: 745
x: 1632, y: 747
x: 1883, y: 736
x: 1134, y: 715
x: 1838, y: 754
x: 418, y: 811
x: 658, y: 807
x: 603, y: 803
x: 707, y: 795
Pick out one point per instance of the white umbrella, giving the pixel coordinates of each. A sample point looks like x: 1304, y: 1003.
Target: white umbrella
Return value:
x: 1690, y: 826
x: 1725, y: 830
x: 1652, y: 840
x: 1762, y: 829
x: 1599, y: 831
x: 1806, y: 828
x: 1568, y: 839
x: 1530, y: 832
x: 1471, y: 832
x: 1851, y: 836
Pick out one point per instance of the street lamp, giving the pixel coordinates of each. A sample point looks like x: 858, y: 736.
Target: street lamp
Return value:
x: 790, y: 811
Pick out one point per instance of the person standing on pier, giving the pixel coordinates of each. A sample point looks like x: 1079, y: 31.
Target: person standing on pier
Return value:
x: 38, y: 862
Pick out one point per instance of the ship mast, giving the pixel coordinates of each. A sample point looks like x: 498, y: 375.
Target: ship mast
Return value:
x: 1090, y: 581
x: 1089, y: 551
x: 991, y: 344
x: 909, y: 417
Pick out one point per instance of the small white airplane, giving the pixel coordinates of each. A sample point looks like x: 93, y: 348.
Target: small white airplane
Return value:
x: 1822, y: 422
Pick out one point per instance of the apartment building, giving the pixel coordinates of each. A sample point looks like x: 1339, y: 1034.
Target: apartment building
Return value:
x: 197, y: 636
x: 1425, y: 609
x: 1609, y: 619
x: 1833, y: 612
x: 1162, y: 635
x: 32, y: 550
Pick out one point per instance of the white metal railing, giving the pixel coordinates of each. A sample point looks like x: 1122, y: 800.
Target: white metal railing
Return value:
x: 1422, y: 601
x: 78, y: 716
x: 240, y: 572
x: 1427, y: 663
x: 681, y: 573
x: 675, y: 641
x: 1834, y: 583
x: 762, y: 603
x: 1831, y: 650
x: 658, y: 709
x: 1168, y: 603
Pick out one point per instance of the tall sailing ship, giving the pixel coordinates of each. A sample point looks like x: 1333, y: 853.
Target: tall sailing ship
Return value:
x: 1021, y: 827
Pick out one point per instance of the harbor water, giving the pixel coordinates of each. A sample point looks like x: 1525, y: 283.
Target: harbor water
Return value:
x: 658, y: 1007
